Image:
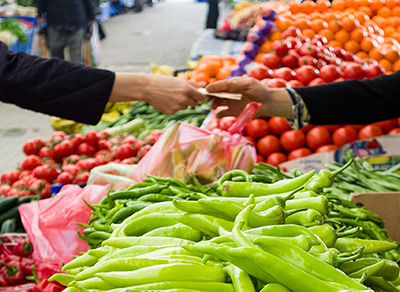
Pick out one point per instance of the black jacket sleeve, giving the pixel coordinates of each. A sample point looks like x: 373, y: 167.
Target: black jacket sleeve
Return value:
x: 353, y: 101
x: 53, y: 86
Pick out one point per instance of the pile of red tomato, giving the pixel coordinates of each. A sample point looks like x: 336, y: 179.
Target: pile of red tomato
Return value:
x: 67, y: 159
x: 276, y: 141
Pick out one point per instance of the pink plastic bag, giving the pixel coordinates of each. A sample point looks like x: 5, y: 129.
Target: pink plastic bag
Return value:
x: 50, y: 223
x: 184, y: 149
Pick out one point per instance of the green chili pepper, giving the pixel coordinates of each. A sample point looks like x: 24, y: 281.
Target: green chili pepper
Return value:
x: 92, y: 283
x: 177, y: 231
x: 301, y: 241
x: 124, y: 213
x: 154, y: 198
x: 389, y: 271
x: 244, y: 189
x: 84, y: 260
x: 370, y: 246
x: 305, y: 261
x: 206, y: 224
x: 274, y: 287
x: 101, y: 235
x: 174, y: 286
x: 170, y: 181
x: 305, y: 194
x: 198, y: 208
x: 278, y: 200
x: 164, y: 273
x: 134, y: 193
x: 305, y: 218
x: 379, y: 283
x: 284, y: 272
x: 326, y: 233
x: 63, y: 279
x: 359, y: 213
x: 334, y: 258
x: 140, y: 185
x: 240, y: 280
x: 128, y: 241
x: 100, y: 251
x: 149, y: 222
x: 324, y: 179
x: 320, y: 204
x: 229, y: 175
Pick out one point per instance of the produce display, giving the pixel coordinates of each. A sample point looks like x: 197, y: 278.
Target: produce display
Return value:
x: 245, y: 232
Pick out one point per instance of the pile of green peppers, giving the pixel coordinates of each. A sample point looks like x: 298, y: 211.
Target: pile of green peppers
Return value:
x: 244, y: 233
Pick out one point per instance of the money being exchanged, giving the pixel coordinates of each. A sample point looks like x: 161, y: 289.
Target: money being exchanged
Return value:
x: 227, y: 95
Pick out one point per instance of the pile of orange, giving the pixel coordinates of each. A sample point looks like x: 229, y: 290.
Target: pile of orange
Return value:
x: 366, y: 28
x: 212, y: 68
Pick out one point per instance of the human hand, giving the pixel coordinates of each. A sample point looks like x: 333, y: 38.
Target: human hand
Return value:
x: 170, y: 94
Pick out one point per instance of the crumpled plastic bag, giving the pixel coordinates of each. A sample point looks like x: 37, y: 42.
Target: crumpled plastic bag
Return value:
x: 114, y: 176
x: 184, y: 150
x: 50, y: 223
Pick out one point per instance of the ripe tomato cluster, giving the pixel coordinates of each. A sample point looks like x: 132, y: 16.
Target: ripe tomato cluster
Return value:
x: 296, y: 60
x: 69, y: 159
x: 276, y: 141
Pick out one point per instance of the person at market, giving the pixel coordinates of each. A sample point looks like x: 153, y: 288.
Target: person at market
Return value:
x: 78, y: 92
x: 67, y: 24
x: 346, y: 102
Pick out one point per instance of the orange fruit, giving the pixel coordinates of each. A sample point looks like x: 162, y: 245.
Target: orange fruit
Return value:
x: 318, y: 24
x: 308, y: 32
x: 392, y: 3
x: 228, y: 60
x: 308, y: 6
x: 283, y: 23
x: 380, y: 21
x: 350, y: 10
x: 362, y: 55
x: 376, y: 54
x: 376, y: 4
x: 316, y: 15
x: 329, y: 15
x: 352, y: 4
x: 302, y: 23
x: 327, y: 33
x: 342, y: 36
x: 294, y: 7
x: 266, y: 47
x: 362, y: 17
x: 396, y: 11
x: 366, y: 10
x: 275, y: 36
x: 396, y: 36
x: 339, y: 5
x: 352, y: 46
x: 335, y: 25
x: 364, y: 2
x: 258, y: 57
x: 384, y: 11
x: 224, y: 72
x: 396, y: 66
x: 358, y: 34
x: 388, y: 30
x: 392, y: 54
x: 386, y: 64
x: 199, y: 77
x: 394, y: 21
x: 303, y: 15
x: 335, y: 43
x: 367, y: 44
x: 349, y: 24
x: 390, y: 41
x: 323, y: 5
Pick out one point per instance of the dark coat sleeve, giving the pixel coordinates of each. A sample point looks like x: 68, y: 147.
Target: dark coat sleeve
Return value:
x: 354, y: 101
x: 53, y: 86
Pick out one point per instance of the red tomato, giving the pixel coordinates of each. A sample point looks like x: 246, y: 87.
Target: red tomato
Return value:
x: 86, y: 149
x: 394, y: 131
x: 285, y: 73
x: 293, y: 139
x: 226, y: 122
x: 318, y: 137
x: 87, y: 164
x: 278, y: 125
x: 271, y: 60
x: 330, y: 73
x: 82, y: 178
x: 268, y: 144
x: 72, y: 169
x: 307, y: 60
x: 46, y: 152
x: 46, y: 172
x: 281, y: 47
x: 24, y: 173
x: 291, y: 31
x: 128, y: 140
x: 65, y: 178
x: 38, y: 143
x: 316, y: 81
x: 308, y: 50
x: 132, y: 160
x: 10, y: 177
x: 104, y: 144
x: 41, y: 187
x: 299, y: 152
x: 91, y: 138
x: 143, y: 150
x: 370, y: 131
x: 275, y: 83
x: 296, y: 83
x: 30, y: 162
x: 290, y: 61
x: 63, y: 149
x: 307, y: 128
x: 126, y: 151
x: 153, y: 136
x: 72, y: 159
x: 77, y: 140
x: 260, y: 72
x: 101, y: 160
x: 326, y: 148
x: 260, y: 158
x: 103, y: 134
x: 257, y: 128
x: 306, y: 73
x: 332, y: 128
x: 387, y: 125
x: 276, y: 158
x: 353, y: 71
x: 374, y: 70
x: 4, y: 189
x: 29, y: 148
x: 344, y: 135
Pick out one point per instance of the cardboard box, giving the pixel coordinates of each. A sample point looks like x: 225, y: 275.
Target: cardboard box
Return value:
x: 386, y: 148
x: 386, y: 205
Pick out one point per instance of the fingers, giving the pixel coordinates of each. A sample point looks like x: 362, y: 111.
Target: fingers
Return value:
x: 233, y: 85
